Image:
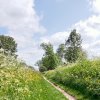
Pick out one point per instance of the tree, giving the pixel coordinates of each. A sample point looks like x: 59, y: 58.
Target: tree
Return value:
x: 41, y: 67
x: 8, y: 44
x: 50, y: 60
x: 61, y: 52
x: 73, y: 47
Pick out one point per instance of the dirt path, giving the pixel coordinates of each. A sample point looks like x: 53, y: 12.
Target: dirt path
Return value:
x: 69, y: 97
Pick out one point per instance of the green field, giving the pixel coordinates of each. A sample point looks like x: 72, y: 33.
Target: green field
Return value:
x: 18, y: 82
x: 82, y: 80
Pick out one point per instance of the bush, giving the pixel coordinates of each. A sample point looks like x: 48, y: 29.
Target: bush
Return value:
x: 83, y: 77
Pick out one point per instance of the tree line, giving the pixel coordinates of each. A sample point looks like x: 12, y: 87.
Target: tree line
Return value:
x: 68, y: 52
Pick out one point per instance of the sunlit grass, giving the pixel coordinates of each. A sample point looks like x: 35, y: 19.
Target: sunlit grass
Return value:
x: 18, y: 82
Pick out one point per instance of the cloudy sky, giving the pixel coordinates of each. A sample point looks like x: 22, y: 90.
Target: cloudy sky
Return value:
x: 32, y: 22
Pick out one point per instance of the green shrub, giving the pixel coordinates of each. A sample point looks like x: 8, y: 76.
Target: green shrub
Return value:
x: 83, y: 77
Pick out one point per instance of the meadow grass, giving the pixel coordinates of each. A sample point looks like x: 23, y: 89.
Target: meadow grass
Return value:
x: 82, y: 80
x: 18, y: 82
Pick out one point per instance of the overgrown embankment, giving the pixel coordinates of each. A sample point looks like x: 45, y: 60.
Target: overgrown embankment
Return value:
x: 18, y: 82
x: 82, y: 78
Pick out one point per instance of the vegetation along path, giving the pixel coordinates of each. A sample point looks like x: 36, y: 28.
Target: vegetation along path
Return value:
x: 69, y: 97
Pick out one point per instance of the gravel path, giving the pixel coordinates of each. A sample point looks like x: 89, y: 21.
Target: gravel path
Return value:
x: 69, y: 97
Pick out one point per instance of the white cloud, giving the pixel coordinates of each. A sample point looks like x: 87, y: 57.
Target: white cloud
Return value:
x: 22, y: 21
x: 95, y: 5
x: 19, y: 13
x: 89, y: 30
x: 56, y: 38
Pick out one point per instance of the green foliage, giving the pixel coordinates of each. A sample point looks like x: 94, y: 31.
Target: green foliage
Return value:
x: 71, y: 51
x: 83, y: 77
x: 74, y: 39
x: 61, y: 50
x: 8, y: 44
x: 18, y: 82
x: 82, y: 55
x: 72, y: 54
x: 48, y: 48
x: 50, y: 60
x: 41, y: 67
x: 73, y: 47
x: 60, y: 53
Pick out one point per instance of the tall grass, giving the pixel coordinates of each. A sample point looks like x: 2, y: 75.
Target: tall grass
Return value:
x: 18, y: 82
x: 83, y: 77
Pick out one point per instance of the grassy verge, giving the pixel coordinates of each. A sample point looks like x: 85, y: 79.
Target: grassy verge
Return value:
x: 82, y: 80
x: 18, y: 82
x: 78, y: 95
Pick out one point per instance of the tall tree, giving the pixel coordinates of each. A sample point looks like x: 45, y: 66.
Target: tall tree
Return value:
x: 8, y: 44
x: 73, y: 47
x: 61, y: 52
x: 50, y: 59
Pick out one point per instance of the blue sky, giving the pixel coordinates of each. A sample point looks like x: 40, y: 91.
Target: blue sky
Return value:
x: 59, y: 15
x: 32, y: 22
x: 3, y: 30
